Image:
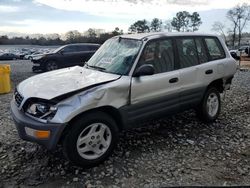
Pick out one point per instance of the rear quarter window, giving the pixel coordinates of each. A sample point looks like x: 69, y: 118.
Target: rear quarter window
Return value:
x: 83, y: 48
x: 93, y: 48
x: 215, y: 49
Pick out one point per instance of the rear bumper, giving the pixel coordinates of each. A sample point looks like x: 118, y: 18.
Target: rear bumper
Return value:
x: 228, y: 82
x: 22, y: 121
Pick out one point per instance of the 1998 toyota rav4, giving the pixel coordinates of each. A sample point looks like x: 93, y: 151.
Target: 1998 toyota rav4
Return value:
x: 131, y: 78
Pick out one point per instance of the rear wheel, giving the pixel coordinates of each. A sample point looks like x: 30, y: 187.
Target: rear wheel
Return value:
x: 91, y: 139
x: 209, y: 109
x: 51, y: 65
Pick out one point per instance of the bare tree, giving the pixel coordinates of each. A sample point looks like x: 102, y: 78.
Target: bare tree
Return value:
x: 243, y: 18
x: 219, y: 28
x: 239, y: 16
x: 232, y: 16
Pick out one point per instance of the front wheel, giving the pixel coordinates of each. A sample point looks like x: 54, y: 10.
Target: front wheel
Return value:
x: 209, y: 109
x: 51, y: 65
x: 91, y: 139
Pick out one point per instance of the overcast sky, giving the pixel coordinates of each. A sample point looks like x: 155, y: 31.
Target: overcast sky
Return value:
x: 60, y: 16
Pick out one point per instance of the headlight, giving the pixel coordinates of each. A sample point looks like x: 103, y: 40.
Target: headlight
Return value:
x: 42, y: 110
x: 37, y: 57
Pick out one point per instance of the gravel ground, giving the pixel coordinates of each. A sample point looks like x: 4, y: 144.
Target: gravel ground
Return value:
x: 179, y: 150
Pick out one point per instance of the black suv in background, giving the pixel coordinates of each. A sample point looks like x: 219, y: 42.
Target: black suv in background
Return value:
x: 65, y: 56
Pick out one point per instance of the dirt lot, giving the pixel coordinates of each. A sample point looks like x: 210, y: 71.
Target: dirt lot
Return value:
x: 179, y: 150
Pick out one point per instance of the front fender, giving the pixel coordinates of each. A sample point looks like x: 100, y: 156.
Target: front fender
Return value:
x: 114, y: 94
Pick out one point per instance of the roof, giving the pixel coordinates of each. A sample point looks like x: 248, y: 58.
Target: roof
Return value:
x: 141, y: 36
x: 82, y: 44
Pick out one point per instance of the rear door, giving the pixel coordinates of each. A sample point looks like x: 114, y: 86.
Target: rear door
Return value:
x: 200, y: 61
x: 216, y: 55
x: 192, y: 87
x: 86, y: 53
x: 68, y: 56
x: 159, y: 93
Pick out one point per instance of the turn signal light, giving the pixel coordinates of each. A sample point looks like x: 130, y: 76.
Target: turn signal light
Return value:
x: 40, y: 134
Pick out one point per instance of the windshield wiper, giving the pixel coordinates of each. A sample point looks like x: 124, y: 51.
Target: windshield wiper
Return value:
x: 95, y: 67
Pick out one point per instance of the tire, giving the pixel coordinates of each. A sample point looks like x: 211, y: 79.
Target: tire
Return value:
x: 209, y: 111
x: 51, y: 65
x: 85, y: 149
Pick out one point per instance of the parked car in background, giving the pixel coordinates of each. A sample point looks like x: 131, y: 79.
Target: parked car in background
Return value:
x: 65, y: 56
x: 8, y: 56
x: 30, y: 56
x: 243, y: 50
x: 233, y: 53
x: 129, y: 80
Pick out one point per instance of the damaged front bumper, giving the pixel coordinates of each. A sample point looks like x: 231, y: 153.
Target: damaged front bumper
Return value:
x: 46, y: 134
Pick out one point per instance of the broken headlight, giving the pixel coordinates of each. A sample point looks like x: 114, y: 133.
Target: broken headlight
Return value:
x: 42, y: 110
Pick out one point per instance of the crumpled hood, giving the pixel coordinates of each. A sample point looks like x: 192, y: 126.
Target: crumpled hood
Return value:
x: 55, y: 83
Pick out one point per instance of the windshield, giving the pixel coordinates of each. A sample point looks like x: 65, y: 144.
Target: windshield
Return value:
x: 116, y: 56
x: 58, y: 49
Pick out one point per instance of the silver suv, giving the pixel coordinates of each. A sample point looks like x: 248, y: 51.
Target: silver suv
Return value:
x: 130, y: 79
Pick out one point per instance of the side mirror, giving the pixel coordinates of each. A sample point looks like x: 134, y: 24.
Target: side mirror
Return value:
x: 144, y: 70
x: 61, y: 52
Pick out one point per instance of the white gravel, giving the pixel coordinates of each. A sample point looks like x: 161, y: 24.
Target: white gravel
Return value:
x: 179, y: 150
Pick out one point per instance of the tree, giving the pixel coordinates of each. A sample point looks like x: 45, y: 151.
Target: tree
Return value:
x: 117, y: 31
x: 243, y: 18
x: 219, y: 28
x: 231, y: 15
x: 91, y: 33
x: 168, y: 26
x: 195, y: 21
x: 72, y: 36
x: 140, y: 26
x: 181, y: 21
x: 239, y: 16
x: 184, y: 21
x: 156, y: 25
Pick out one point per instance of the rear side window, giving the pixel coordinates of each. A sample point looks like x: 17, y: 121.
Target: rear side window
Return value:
x: 69, y: 49
x: 215, y: 49
x: 187, y: 52
x: 93, y: 48
x: 83, y: 48
x: 201, y: 50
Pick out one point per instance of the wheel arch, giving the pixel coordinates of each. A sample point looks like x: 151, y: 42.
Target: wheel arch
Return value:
x: 218, y: 84
x: 109, y: 110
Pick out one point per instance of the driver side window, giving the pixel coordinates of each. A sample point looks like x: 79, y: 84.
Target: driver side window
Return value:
x: 160, y: 54
x: 68, y: 49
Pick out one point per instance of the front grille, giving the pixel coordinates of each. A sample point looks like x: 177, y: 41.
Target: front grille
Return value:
x: 18, y: 98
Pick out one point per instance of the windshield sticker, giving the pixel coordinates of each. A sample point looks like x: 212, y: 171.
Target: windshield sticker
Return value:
x: 106, y: 60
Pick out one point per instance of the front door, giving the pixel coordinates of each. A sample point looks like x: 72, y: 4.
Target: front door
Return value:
x: 157, y: 94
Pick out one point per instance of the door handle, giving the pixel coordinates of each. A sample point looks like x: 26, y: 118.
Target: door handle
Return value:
x: 173, y: 80
x: 209, y: 71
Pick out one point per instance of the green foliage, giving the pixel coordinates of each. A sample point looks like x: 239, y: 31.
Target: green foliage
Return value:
x: 156, y: 25
x: 140, y: 26
x: 195, y: 21
x: 184, y: 21
x: 117, y: 31
x: 181, y: 21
